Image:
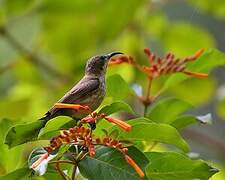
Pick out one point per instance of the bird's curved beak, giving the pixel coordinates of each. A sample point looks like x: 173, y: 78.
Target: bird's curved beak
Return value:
x: 108, y: 56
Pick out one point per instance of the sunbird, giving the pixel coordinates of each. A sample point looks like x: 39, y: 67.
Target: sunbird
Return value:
x: 88, y: 92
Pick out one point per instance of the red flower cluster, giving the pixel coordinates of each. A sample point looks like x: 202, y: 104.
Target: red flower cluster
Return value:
x: 76, y: 135
x: 162, y: 66
x: 82, y: 136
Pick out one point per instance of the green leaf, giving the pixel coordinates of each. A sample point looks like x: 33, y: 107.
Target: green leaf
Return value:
x: 26, y: 173
x: 186, y: 120
x: 171, y: 165
x: 22, y: 173
x: 157, y: 132
x: 166, y: 110
x: 7, y: 159
x: 117, y: 106
x: 110, y: 164
x: 117, y: 88
x: 208, y: 61
x: 23, y: 133
x: 53, y: 125
x: 147, y: 131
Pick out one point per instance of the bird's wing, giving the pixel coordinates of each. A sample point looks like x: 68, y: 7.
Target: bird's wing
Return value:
x: 83, y: 89
x: 76, y: 95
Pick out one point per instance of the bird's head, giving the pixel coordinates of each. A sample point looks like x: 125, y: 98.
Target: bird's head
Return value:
x: 97, y: 65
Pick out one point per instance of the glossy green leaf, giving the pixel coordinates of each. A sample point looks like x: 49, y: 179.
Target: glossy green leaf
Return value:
x: 187, y: 120
x: 54, y: 125
x: 22, y: 174
x: 117, y: 88
x: 147, y: 131
x: 208, y: 61
x: 7, y: 158
x: 117, y: 106
x: 184, y: 121
x: 23, y: 133
x: 171, y: 166
x: 110, y: 164
x: 26, y: 173
x: 166, y: 110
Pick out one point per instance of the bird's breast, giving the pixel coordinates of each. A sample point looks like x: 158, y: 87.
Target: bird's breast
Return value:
x: 97, y: 97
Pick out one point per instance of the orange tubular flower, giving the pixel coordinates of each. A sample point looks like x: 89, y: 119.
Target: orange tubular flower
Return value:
x: 195, y: 74
x: 120, y: 123
x: 162, y: 66
x: 169, y: 65
x: 122, y: 59
x: 135, y: 166
x: 93, y: 117
x: 71, y: 106
x: 39, y: 161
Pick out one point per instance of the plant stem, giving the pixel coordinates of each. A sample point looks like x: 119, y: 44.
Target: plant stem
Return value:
x: 62, y: 161
x: 60, y: 171
x: 147, y: 96
x: 74, y: 172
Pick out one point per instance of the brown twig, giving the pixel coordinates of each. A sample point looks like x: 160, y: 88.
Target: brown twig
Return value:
x: 73, y: 177
x: 62, y: 161
x: 146, y: 105
x: 60, y: 171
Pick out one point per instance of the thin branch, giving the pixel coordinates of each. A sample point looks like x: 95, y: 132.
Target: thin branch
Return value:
x: 30, y: 56
x: 73, y: 177
x: 62, y: 161
x: 146, y: 105
x: 60, y: 171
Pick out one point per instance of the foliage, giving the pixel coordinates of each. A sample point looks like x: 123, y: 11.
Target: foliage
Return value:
x: 45, y: 49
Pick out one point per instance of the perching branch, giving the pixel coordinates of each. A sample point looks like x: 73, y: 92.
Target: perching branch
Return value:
x: 60, y: 171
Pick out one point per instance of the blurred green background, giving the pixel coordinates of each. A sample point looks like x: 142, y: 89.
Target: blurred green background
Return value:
x: 44, y: 45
